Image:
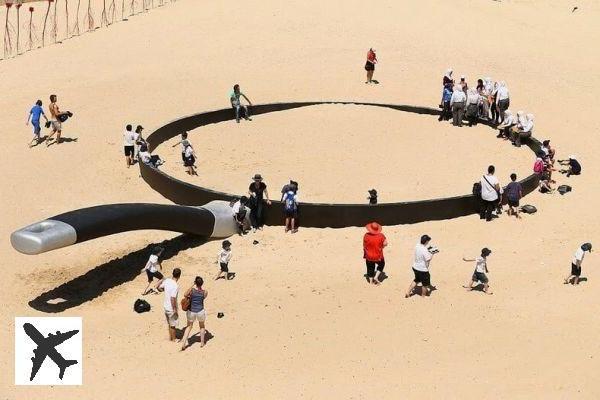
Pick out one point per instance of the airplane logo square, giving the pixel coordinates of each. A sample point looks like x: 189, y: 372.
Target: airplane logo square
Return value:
x: 48, y: 351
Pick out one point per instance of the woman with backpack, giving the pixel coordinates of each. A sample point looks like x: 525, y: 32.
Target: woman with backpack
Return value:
x: 196, y: 296
x: 290, y: 210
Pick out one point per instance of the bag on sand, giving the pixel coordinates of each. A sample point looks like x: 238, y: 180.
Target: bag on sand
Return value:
x: 141, y: 306
x: 562, y: 189
x: 529, y: 209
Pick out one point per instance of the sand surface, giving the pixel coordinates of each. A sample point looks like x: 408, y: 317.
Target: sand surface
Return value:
x: 300, y: 321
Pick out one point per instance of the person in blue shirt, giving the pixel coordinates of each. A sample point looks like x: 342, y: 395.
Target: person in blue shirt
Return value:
x: 446, y: 112
x: 34, y: 115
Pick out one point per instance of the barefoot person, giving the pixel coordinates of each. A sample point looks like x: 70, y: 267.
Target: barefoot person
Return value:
x: 153, y: 269
x: 576, y: 263
x: 234, y: 98
x: 514, y: 193
x: 258, y: 196
x: 34, y: 115
x: 373, y: 243
x: 55, y: 123
x: 479, y: 275
x: 223, y: 261
x: 370, y: 65
x: 423, y: 255
x: 197, y: 295
x: 189, y: 157
x: 171, y: 289
x: 129, y: 137
x: 290, y: 210
x: 184, y: 137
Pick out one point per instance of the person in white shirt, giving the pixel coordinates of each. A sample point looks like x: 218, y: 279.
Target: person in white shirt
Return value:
x: 502, y: 100
x: 147, y: 158
x: 171, y: 289
x: 506, y: 125
x: 576, y: 263
x: 184, y: 139
x: 138, y: 140
x: 490, y: 193
x: 423, y: 255
x: 152, y: 269
x: 479, y: 275
x: 472, y: 106
x: 241, y: 215
x: 189, y: 156
x: 129, y: 145
x: 223, y: 261
x: 457, y: 103
x: 523, y: 130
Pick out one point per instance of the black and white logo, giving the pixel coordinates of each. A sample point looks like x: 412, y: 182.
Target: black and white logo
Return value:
x: 48, y: 351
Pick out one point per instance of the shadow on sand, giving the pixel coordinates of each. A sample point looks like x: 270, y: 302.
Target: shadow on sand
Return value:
x: 108, y: 275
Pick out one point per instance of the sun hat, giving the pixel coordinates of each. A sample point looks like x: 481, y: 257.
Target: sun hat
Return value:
x: 373, y: 227
x: 257, y: 177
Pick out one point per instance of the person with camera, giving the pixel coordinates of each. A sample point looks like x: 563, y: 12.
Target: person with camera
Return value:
x: 423, y: 254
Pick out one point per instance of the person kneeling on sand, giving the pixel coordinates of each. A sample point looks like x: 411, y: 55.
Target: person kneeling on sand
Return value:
x: 153, y: 269
x: 576, y: 263
x: 196, y: 312
x: 171, y: 289
x: 479, y: 275
x: 423, y: 255
x: 373, y: 243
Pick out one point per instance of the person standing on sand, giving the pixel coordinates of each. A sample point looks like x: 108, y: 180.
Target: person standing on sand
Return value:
x: 514, y: 193
x: 370, y: 65
x: 373, y: 243
x: 171, y: 289
x: 576, y: 263
x: 189, y: 159
x: 223, y: 259
x: 423, y: 255
x: 490, y: 193
x: 55, y: 114
x: 184, y: 139
x: 290, y: 210
x: 457, y: 103
x: 258, y: 195
x: 129, y: 145
x: 197, y: 295
x: 139, y: 141
x: 479, y: 275
x: 34, y: 114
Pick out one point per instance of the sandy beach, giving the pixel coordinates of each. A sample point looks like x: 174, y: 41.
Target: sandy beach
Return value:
x: 300, y: 320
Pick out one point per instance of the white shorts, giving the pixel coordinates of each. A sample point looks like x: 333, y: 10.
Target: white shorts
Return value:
x: 196, y: 316
x: 171, y: 320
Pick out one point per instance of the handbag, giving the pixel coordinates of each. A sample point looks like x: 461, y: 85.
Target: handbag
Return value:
x: 186, y: 301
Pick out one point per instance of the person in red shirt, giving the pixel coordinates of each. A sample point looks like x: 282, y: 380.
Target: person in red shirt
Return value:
x: 370, y: 65
x: 373, y: 243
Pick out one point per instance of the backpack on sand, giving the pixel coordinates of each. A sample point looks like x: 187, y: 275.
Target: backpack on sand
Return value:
x: 141, y: 306
x: 529, y: 209
x: 562, y: 189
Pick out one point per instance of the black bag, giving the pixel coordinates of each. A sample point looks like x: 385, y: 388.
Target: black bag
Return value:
x: 65, y: 116
x: 562, y: 189
x: 529, y: 209
x: 141, y: 306
x: 477, y: 189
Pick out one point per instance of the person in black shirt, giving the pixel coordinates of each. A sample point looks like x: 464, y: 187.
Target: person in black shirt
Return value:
x: 573, y: 166
x: 258, y: 196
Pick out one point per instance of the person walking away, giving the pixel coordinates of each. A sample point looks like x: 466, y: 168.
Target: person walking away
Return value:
x: 514, y: 193
x: 55, y: 123
x: 370, y: 65
x: 189, y: 158
x: 34, y: 115
x: 490, y: 193
x: 223, y: 260
x: 472, y: 107
x: 457, y: 102
x: 234, y: 98
x: 171, y: 289
x: 446, y: 110
x: 576, y: 263
x: 502, y: 100
x: 420, y: 267
x: 129, y: 145
x: 259, y: 195
x: 481, y: 269
x: 197, y: 296
x: 153, y: 270
x: 373, y: 243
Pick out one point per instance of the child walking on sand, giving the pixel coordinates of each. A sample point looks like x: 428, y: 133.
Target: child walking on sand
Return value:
x: 479, y: 275
x: 189, y: 158
x: 34, y: 115
x: 223, y: 261
x: 576, y: 263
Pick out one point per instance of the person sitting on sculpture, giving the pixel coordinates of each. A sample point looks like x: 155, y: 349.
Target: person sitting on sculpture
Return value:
x: 523, y: 130
x: 234, y: 98
x: 149, y: 159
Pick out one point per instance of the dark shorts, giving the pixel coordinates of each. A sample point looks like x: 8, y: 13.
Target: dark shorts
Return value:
x: 513, y: 203
x: 575, y: 270
x: 371, y: 267
x: 129, y: 150
x: 183, y: 157
x: 224, y: 267
x: 189, y: 161
x: 152, y: 275
x: 422, y: 277
x: 290, y: 213
x: 479, y: 276
x: 369, y: 66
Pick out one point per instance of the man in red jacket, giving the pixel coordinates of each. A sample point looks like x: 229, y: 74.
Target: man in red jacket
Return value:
x: 373, y: 243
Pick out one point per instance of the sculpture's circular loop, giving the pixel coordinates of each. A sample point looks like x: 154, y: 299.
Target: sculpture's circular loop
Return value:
x: 316, y: 215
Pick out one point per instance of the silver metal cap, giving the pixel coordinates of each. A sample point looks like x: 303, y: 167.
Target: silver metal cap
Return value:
x: 43, y: 236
